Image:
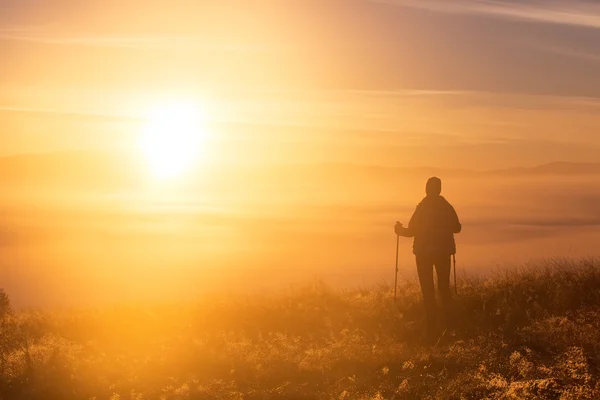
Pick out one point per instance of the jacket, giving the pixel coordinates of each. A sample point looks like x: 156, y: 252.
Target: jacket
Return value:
x: 433, y: 226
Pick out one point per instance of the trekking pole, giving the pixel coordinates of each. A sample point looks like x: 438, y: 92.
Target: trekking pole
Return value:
x: 455, y: 287
x: 396, y: 276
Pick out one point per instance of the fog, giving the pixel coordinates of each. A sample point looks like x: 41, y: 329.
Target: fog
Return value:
x: 84, y: 242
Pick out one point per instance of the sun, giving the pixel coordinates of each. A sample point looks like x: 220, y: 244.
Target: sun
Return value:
x: 172, y: 138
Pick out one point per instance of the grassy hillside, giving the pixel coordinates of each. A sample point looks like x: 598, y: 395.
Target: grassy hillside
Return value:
x: 528, y: 333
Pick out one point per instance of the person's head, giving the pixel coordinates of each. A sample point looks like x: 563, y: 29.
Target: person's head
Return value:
x: 434, y: 187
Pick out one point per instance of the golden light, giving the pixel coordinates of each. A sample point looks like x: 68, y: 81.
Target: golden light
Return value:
x: 172, y: 139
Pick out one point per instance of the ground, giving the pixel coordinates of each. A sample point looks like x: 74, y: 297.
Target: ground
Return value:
x: 531, y: 333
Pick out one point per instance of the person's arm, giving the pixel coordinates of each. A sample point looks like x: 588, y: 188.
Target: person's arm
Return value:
x: 410, y: 231
x: 455, y: 223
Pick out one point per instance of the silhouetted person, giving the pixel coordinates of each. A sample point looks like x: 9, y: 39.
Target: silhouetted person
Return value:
x: 433, y: 226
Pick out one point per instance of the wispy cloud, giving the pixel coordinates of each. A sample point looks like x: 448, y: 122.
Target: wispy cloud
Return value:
x: 572, y: 12
x: 131, y: 42
x: 17, y: 29
x: 67, y: 113
x: 566, y: 51
x: 134, y: 42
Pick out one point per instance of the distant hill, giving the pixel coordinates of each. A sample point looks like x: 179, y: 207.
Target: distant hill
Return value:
x: 554, y: 168
x: 113, y: 169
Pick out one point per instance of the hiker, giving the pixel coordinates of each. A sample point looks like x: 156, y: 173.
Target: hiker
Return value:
x: 433, y: 226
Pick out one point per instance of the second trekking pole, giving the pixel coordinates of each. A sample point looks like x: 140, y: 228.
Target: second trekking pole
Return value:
x: 396, y: 275
x: 455, y: 287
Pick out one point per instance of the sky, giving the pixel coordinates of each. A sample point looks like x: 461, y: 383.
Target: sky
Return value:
x: 349, y: 87
x: 470, y: 84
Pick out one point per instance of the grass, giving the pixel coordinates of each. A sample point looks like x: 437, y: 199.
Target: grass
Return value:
x: 528, y: 333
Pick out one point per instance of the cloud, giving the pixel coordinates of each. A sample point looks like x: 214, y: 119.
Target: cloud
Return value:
x: 575, y: 12
x: 17, y: 29
x: 130, y: 42
x: 589, y: 54
x: 66, y: 113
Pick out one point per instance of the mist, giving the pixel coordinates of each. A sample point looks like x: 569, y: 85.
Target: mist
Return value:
x: 86, y: 237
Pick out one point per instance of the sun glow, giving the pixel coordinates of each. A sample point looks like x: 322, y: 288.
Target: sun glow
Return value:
x: 172, y: 139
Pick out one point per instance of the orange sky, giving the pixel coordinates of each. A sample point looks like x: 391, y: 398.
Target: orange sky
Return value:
x: 476, y: 85
x: 337, y: 90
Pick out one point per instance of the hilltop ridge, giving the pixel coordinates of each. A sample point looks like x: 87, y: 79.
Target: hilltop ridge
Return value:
x: 69, y: 162
x: 531, y: 334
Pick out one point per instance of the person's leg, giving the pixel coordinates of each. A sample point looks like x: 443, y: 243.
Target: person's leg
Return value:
x: 443, y: 268
x: 425, y: 270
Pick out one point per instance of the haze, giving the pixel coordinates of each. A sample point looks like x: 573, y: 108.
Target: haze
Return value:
x: 320, y: 122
